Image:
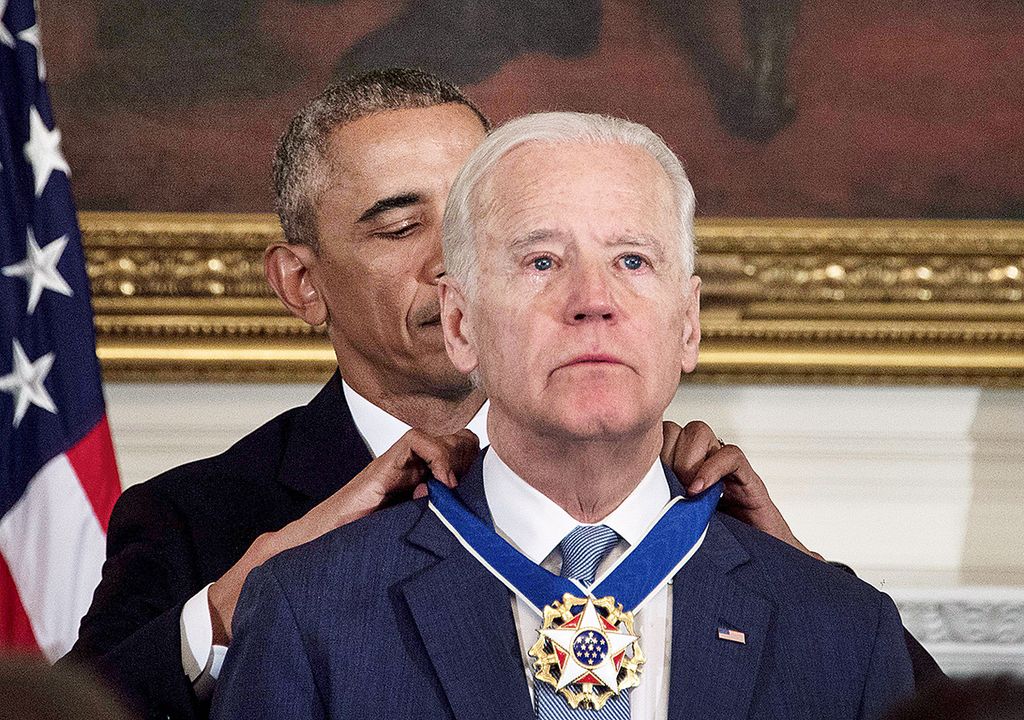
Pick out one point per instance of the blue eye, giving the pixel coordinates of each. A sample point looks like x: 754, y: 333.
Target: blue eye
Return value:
x: 632, y: 262
x: 542, y: 263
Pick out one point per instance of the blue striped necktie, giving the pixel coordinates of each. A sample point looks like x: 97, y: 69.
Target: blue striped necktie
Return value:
x: 582, y: 551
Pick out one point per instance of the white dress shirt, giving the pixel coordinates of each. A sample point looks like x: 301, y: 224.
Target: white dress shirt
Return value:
x: 200, y: 658
x: 535, y: 525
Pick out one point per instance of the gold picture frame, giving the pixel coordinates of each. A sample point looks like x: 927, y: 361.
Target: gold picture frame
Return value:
x: 181, y: 297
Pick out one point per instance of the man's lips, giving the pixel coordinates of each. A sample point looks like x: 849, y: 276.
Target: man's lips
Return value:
x: 592, y: 359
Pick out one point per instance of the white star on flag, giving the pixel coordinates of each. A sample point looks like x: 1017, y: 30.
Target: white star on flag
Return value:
x: 31, y: 36
x: 39, y: 268
x: 5, y: 35
x: 43, y: 151
x: 25, y: 383
x: 571, y: 669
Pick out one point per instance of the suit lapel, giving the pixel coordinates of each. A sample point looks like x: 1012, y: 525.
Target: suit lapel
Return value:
x: 325, y: 449
x: 711, y: 677
x: 464, y: 617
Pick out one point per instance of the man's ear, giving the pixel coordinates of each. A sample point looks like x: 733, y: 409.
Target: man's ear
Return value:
x: 691, y: 325
x: 287, y: 267
x: 458, y: 332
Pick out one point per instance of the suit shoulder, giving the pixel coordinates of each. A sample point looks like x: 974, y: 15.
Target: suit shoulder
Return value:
x: 797, y: 579
x: 377, y: 539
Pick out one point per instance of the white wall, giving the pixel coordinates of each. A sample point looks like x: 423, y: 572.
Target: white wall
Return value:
x: 906, y: 484
x: 158, y: 426
x: 919, y: 489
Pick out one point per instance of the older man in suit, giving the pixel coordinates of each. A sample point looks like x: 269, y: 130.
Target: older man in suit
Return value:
x: 570, y: 299
x: 361, y: 178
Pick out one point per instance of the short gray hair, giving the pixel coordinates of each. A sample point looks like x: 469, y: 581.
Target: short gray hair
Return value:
x: 554, y: 127
x: 300, y: 171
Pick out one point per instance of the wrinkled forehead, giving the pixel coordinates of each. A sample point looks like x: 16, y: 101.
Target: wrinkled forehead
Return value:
x: 538, y: 185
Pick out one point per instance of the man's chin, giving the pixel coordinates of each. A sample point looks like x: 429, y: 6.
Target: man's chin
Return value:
x: 596, y: 422
x: 448, y: 383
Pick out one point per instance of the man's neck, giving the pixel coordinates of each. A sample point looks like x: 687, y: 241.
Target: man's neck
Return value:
x: 436, y: 414
x: 588, y: 479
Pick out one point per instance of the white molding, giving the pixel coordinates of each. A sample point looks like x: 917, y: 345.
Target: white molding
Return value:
x: 968, y: 630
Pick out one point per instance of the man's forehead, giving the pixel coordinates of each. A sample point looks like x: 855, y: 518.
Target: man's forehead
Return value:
x: 540, y: 180
x: 594, y: 167
x: 377, y: 138
x: 400, y: 153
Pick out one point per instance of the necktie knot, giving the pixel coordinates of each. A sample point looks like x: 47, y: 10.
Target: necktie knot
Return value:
x: 583, y: 549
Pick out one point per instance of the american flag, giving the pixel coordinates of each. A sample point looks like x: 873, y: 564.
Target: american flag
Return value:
x: 58, y: 477
x: 732, y: 635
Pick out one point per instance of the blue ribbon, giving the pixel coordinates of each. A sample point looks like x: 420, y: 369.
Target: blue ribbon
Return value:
x: 638, y: 574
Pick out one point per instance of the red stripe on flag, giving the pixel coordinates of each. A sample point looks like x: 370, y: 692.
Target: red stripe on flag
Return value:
x: 15, y: 628
x: 94, y: 464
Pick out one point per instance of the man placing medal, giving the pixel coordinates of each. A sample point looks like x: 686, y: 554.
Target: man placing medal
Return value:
x: 566, y: 576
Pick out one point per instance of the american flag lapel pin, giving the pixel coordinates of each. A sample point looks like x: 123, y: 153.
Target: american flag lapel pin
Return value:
x: 732, y: 635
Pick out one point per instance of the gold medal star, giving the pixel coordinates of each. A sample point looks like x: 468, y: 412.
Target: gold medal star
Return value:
x: 590, y: 649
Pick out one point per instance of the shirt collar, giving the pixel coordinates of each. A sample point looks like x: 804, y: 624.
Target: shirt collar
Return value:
x: 380, y: 430
x: 536, y: 525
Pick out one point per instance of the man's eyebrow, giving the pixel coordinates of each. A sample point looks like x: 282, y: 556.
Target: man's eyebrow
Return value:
x: 638, y: 240
x: 524, y: 242
x: 390, y: 203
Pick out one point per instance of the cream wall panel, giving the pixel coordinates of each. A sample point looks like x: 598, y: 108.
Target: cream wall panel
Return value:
x: 158, y: 426
x: 921, y: 490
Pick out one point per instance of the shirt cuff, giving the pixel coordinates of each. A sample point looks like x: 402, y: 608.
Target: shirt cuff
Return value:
x: 200, y: 658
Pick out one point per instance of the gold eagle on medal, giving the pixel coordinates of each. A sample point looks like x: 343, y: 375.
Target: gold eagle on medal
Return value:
x: 588, y: 650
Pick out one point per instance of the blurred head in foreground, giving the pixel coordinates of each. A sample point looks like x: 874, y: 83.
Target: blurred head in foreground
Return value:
x: 32, y: 690
x: 990, y: 698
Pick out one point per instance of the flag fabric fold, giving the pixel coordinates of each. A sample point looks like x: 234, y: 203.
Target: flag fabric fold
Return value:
x: 58, y: 476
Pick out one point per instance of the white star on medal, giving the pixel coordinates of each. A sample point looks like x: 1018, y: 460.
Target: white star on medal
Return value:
x: 573, y: 671
x: 25, y: 382
x: 39, y: 269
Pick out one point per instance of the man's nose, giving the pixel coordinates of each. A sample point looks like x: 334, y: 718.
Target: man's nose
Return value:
x: 433, y: 264
x: 591, y: 295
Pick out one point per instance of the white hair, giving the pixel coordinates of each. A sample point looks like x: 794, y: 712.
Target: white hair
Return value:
x: 459, y: 225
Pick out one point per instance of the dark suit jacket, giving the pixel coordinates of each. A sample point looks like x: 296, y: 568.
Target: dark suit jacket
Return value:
x: 172, y: 535
x: 390, y: 617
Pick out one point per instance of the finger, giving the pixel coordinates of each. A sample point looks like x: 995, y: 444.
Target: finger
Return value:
x: 742, y: 484
x: 671, y: 433
x: 699, y: 434
x: 465, y: 449
x: 458, y: 450
x: 469, y: 435
x: 420, y: 491
x: 401, y: 466
x: 441, y: 455
x: 696, y: 443
x: 718, y: 466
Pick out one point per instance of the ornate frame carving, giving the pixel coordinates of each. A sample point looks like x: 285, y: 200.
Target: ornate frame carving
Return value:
x: 182, y: 297
x: 968, y: 630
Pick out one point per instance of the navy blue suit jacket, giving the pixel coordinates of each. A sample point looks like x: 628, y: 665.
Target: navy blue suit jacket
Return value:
x: 171, y: 536
x: 390, y: 617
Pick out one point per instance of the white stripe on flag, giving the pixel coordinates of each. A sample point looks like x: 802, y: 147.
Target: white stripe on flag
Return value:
x: 54, y: 547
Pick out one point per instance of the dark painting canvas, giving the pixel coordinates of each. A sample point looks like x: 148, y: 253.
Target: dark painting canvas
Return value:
x: 821, y: 108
